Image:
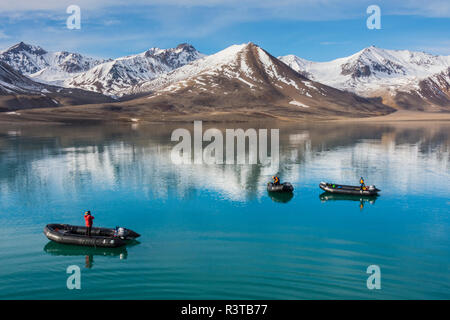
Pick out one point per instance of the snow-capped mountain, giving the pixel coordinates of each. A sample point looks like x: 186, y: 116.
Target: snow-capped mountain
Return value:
x: 371, y: 72
x: 12, y: 82
x: 44, y: 66
x: 437, y: 88
x: 20, y: 92
x: 117, y: 77
x: 246, y: 76
x: 111, y: 77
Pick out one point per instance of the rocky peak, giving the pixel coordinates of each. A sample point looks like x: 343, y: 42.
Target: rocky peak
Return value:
x: 22, y: 46
x: 185, y: 47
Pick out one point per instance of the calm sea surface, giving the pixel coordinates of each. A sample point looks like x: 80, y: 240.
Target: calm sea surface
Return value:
x: 212, y: 231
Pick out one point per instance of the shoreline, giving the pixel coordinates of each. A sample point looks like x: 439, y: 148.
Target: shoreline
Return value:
x: 403, y: 116
x: 41, y: 116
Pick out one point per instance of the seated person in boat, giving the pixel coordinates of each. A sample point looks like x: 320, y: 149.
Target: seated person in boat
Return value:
x: 88, y: 218
x: 363, y: 185
x: 276, y: 180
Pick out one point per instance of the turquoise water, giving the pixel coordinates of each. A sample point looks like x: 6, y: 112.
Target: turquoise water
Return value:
x: 212, y: 231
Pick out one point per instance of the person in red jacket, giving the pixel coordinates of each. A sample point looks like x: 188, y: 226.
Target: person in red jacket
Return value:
x: 88, y: 219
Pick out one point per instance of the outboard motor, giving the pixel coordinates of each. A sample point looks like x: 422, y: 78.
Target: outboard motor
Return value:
x: 122, y: 232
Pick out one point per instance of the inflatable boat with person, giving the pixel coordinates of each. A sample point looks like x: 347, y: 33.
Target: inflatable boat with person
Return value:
x: 282, y: 187
x: 100, y: 237
x: 349, y: 190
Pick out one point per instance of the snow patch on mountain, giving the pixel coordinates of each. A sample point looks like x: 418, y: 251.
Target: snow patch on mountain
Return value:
x: 271, y: 69
x: 296, y: 103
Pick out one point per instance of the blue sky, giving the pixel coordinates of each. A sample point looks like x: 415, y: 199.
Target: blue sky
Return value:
x: 318, y: 30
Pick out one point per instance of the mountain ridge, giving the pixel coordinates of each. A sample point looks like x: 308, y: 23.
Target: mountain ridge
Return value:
x: 51, y: 67
x: 118, y: 76
x: 246, y: 80
x: 246, y: 76
x: 390, y: 74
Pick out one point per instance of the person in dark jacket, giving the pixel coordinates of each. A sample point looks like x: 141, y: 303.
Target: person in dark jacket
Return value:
x: 88, y: 218
x: 276, y: 180
x: 363, y: 185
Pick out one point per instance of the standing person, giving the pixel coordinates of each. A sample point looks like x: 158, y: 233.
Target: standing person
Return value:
x: 88, y: 219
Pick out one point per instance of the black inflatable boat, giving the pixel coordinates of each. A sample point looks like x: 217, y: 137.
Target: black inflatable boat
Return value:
x: 342, y: 189
x: 284, y: 187
x: 76, y: 235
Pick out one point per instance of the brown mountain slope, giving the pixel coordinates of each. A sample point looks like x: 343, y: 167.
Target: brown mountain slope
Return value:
x: 409, y: 80
x: 19, y: 92
x: 432, y: 94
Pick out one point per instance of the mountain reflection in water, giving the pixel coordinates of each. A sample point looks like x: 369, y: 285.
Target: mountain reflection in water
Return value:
x: 107, y: 157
